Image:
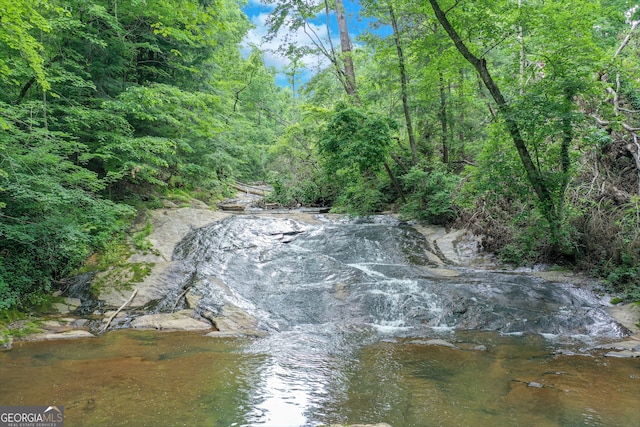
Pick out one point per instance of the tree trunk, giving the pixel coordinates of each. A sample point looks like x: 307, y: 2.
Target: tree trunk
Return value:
x: 547, y: 205
x: 403, y: 82
x: 395, y: 182
x: 345, y: 46
x: 443, y: 121
x: 461, y: 119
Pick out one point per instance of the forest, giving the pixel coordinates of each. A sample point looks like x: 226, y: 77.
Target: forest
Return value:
x: 515, y: 119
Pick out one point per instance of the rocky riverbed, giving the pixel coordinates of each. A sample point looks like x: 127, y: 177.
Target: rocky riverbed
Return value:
x: 133, y: 306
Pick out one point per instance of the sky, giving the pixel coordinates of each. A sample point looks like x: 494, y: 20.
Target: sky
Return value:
x: 258, y: 13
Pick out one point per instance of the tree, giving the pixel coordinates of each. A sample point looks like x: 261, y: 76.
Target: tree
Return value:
x: 346, y: 48
x: 356, y: 146
x: 403, y: 82
x: 298, y: 15
x: 105, y: 101
x: 18, y: 19
x: 548, y: 190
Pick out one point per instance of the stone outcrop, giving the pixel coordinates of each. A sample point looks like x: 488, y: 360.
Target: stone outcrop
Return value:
x: 627, y: 349
x: 169, y: 226
x: 179, y: 321
x: 448, y: 250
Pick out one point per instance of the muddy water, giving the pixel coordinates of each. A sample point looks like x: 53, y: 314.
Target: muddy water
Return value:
x: 142, y: 378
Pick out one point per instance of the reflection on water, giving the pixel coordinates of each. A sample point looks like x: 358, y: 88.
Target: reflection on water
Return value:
x: 310, y: 378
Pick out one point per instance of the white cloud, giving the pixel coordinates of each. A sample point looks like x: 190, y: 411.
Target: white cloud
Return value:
x: 299, y: 37
x: 259, y: 3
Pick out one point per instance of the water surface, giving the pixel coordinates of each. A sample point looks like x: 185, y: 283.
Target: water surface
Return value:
x: 145, y: 378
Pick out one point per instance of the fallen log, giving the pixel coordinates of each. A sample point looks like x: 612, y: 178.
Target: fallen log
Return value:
x: 106, y: 326
x: 232, y: 207
x: 249, y: 189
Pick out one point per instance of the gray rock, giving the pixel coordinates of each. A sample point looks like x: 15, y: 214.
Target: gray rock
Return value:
x: 73, y: 302
x: 192, y: 299
x: 80, y: 323
x: 620, y: 345
x: 437, y: 342
x: 624, y: 354
x: 180, y: 320
x: 235, y: 321
x: 48, y: 336
x: 61, y: 308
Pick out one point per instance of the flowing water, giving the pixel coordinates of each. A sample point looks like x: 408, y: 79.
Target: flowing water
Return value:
x: 360, y: 326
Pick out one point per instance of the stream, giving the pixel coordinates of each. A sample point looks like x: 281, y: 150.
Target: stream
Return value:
x: 357, y: 322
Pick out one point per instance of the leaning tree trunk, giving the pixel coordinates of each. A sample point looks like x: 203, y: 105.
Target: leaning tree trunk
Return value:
x: 403, y: 83
x: 536, y: 180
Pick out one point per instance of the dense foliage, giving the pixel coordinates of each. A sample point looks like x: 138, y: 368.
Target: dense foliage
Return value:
x: 105, y: 105
x: 519, y: 120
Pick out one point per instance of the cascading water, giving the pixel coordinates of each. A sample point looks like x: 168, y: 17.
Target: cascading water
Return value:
x: 288, y: 273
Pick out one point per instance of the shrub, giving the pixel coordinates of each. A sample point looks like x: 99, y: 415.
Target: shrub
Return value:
x: 430, y: 194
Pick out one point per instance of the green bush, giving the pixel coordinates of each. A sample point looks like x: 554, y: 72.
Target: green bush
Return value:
x: 429, y: 194
x: 289, y: 190
x: 48, y: 231
x: 361, y: 197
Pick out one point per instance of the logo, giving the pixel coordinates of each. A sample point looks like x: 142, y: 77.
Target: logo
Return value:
x: 31, y: 416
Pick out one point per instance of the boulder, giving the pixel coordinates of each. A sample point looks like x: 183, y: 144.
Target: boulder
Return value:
x: 70, y: 334
x: 178, y: 321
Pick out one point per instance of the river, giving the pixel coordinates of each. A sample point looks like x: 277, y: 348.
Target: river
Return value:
x: 358, y: 325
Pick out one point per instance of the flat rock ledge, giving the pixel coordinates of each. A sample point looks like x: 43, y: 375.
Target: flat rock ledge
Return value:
x: 179, y: 321
x: 66, y: 335
x: 77, y: 333
x: 628, y: 349
x: 60, y: 329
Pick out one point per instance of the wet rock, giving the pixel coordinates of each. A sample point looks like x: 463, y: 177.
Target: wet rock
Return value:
x: 67, y: 305
x: 233, y: 321
x: 367, y: 272
x: 631, y: 345
x: 624, y: 354
x: 192, y: 299
x: 80, y: 323
x: 452, y: 247
x: 180, y: 320
x: 437, y: 342
x: 65, y: 335
x: 232, y: 207
x: 169, y: 226
x: 628, y: 315
x: 162, y: 280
